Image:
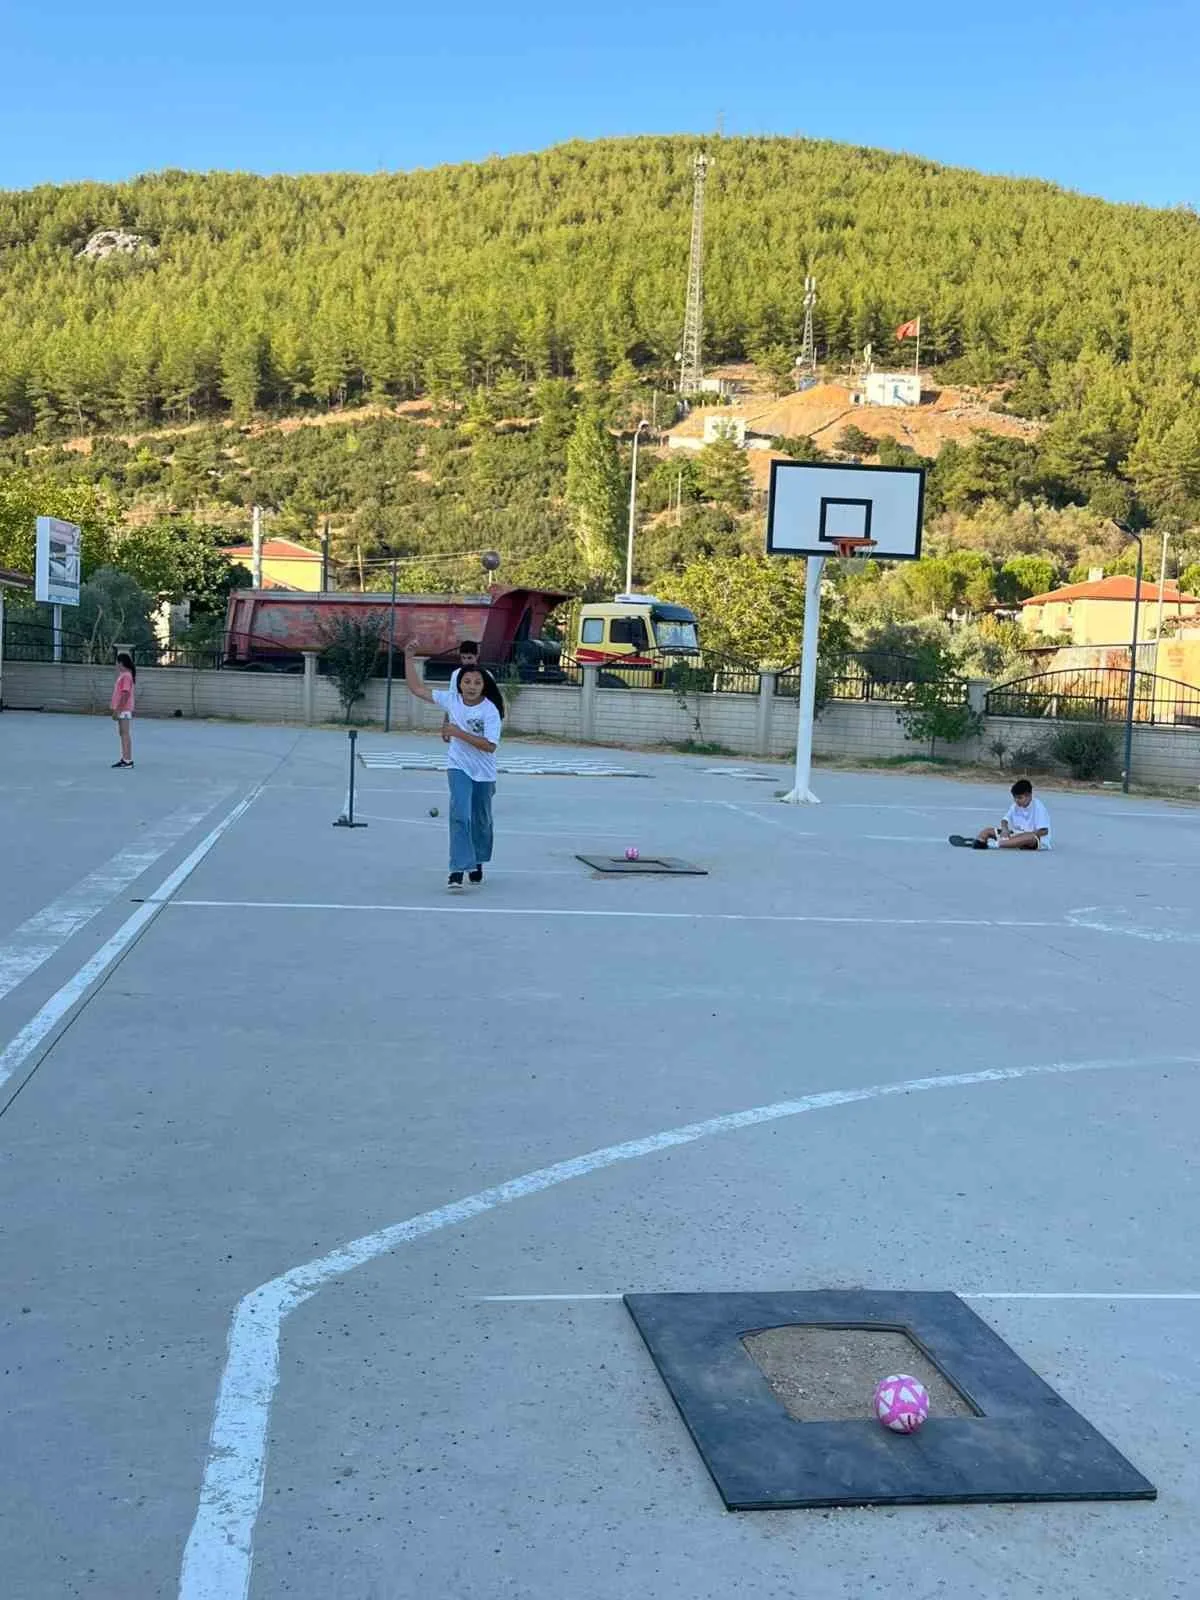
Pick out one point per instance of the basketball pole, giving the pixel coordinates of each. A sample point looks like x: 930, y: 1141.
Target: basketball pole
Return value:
x: 801, y: 794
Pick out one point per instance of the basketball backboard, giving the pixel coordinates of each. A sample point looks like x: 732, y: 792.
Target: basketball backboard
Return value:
x: 814, y: 505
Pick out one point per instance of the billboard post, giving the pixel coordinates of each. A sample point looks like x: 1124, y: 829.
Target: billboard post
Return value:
x: 58, y: 571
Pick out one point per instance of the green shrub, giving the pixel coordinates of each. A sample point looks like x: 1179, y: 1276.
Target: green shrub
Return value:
x: 934, y: 712
x: 1087, y: 752
x: 351, y: 651
x: 1031, y: 758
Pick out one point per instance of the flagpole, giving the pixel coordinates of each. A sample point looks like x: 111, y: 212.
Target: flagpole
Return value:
x: 917, y: 363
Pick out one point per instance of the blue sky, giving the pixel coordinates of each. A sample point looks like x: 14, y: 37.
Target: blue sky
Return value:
x: 1092, y: 94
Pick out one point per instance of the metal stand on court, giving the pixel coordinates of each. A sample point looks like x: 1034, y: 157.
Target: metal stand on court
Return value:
x: 800, y: 794
x: 346, y: 820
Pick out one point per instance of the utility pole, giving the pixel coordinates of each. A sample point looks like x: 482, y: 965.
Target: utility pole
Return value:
x: 256, y: 546
x: 637, y: 434
x: 387, y: 704
x: 1133, y: 648
x: 1162, y: 578
x: 325, y: 557
x: 691, y: 370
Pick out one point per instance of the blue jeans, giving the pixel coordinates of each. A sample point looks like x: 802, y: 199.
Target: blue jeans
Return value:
x: 470, y: 821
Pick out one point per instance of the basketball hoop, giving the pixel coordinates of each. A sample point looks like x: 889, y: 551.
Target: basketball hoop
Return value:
x: 848, y: 549
x: 843, y: 509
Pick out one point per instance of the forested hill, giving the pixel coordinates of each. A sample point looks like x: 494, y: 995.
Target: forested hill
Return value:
x: 311, y: 291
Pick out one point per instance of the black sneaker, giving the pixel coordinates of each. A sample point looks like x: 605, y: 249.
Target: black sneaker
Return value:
x: 117, y: 764
x: 962, y: 841
x: 454, y: 881
x: 476, y: 875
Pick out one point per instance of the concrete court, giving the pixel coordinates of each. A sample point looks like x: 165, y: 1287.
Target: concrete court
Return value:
x: 261, y: 1078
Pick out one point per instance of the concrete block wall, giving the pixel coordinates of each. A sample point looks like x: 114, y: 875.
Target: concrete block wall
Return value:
x: 42, y: 686
x: 655, y: 716
x: 856, y: 729
x: 1160, y: 755
x: 263, y: 697
x: 553, y: 712
x: 1166, y: 756
x: 635, y: 717
x: 161, y: 691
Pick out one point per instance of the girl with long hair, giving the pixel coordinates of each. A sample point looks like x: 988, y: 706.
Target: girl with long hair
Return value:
x: 123, y: 697
x: 474, y: 710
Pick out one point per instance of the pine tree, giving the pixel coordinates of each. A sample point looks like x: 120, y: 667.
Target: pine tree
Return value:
x: 723, y: 474
x: 595, y: 491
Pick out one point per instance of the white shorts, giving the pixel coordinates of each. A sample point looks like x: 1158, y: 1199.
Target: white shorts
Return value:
x: 124, y: 716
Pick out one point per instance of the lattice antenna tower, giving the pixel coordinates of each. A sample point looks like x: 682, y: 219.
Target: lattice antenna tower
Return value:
x: 690, y: 369
x: 808, y: 351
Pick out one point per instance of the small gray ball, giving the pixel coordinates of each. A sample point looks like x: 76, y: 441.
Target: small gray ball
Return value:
x: 433, y: 811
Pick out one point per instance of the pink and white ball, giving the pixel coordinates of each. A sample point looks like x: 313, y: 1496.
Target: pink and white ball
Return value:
x: 632, y: 853
x: 901, y: 1403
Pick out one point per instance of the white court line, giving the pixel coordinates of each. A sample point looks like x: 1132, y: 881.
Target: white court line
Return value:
x: 523, y: 1299
x: 771, y: 822
x: 219, y: 1556
x: 1085, y: 917
x: 1075, y: 804
x: 515, y: 872
x: 1022, y: 1294
x: 898, y: 838
x: 45, y: 933
x: 583, y: 832
x: 458, y: 909
x: 39, y: 1028
x: 963, y: 1294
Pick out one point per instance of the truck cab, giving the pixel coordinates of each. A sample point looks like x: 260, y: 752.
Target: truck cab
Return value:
x: 636, y: 631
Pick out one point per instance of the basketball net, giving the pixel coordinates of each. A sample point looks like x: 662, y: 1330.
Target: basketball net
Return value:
x: 853, y: 549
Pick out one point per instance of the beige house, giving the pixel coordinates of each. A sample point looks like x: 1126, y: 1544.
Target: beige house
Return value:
x: 1100, y: 612
x: 286, y: 564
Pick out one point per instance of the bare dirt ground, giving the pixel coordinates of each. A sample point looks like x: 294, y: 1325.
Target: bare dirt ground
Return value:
x: 821, y: 413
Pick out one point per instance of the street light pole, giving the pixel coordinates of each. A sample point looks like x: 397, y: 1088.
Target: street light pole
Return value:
x: 1137, y: 596
x: 637, y: 434
x: 387, y: 704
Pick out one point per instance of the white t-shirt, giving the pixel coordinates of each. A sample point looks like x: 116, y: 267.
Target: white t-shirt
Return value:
x: 1028, y: 819
x: 482, y: 720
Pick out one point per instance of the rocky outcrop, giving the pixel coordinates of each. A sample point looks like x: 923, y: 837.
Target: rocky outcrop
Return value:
x: 107, y: 242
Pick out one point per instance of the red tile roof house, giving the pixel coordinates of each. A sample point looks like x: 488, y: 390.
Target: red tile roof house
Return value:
x: 1100, y: 612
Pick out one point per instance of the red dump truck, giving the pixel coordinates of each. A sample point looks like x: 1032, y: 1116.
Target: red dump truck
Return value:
x: 272, y: 628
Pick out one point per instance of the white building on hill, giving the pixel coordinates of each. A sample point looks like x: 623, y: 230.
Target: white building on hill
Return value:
x: 719, y: 427
x: 890, y: 389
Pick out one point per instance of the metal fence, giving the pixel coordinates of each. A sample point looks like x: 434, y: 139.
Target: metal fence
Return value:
x: 34, y: 641
x: 876, y: 676
x: 1098, y: 694
x: 523, y: 667
x: 714, y: 675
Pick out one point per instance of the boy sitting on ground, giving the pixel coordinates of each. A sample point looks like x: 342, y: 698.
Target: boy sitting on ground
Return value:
x: 1025, y: 826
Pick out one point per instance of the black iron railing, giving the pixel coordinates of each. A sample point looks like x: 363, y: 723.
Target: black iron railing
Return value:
x: 877, y: 676
x: 1098, y: 694
x: 713, y: 674
x: 34, y: 641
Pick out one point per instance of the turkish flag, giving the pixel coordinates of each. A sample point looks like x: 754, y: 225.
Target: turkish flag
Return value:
x: 909, y: 330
